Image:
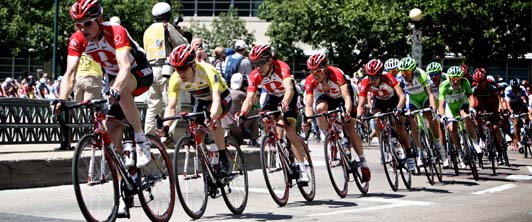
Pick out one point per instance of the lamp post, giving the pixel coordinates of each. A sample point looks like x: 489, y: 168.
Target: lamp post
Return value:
x: 415, y: 16
x: 30, y: 50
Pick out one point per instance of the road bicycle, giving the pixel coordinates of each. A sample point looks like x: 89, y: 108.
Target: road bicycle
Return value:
x: 100, y: 177
x: 489, y: 141
x: 197, y: 170
x: 278, y: 162
x: 431, y: 158
x: 339, y: 160
x: 393, y: 163
x: 468, y: 153
x: 524, y: 134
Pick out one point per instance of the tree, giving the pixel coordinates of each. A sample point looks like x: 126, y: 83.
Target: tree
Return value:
x: 357, y: 30
x: 224, y: 31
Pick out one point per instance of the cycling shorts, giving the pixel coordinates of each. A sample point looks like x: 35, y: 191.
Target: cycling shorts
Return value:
x: 201, y: 105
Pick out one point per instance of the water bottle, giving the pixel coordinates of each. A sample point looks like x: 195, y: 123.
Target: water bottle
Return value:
x: 346, y: 145
x: 129, y: 153
x: 213, y: 154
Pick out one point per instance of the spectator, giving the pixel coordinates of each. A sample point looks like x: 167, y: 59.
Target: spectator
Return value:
x: 50, y: 86
x: 197, y: 44
x: 42, y: 89
x: 160, y: 31
x: 56, y: 87
x: 21, y: 92
x: 115, y: 20
x: 244, y: 67
x: 9, y: 88
x: 30, y: 88
x: 219, y: 59
x: 89, y: 76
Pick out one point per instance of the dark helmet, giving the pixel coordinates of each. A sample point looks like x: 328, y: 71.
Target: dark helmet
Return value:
x: 86, y: 9
x: 183, y: 55
x: 515, y: 83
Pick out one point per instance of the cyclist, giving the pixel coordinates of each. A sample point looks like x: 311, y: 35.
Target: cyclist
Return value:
x: 415, y: 84
x: 387, y: 96
x: 516, y: 99
x: 275, y: 78
x: 435, y: 72
x: 487, y: 100
x: 454, y: 100
x: 330, y: 83
x: 123, y: 60
x: 210, y: 91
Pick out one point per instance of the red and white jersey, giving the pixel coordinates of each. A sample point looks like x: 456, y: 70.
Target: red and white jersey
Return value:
x: 104, y: 51
x: 273, y: 83
x: 384, y: 91
x: 335, y: 78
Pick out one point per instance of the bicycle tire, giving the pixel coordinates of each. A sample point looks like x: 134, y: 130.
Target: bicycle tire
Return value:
x: 526, y: 144
x: 471, y: 155
x: 235, y: 192
x: 97, y: 197
x: 406, y: 176
x: 363, y: 187
x: 157, y: 196
x: 309, y: 191
x: 274, y: 169
x: 389, y: 162
x: 427, y: 159
x: 453, y: 154
x: 190, y: 183
x: 336, y: 165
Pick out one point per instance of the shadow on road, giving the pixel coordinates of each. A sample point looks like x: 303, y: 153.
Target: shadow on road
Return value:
x: 266, y: 216
x: 328, y: 202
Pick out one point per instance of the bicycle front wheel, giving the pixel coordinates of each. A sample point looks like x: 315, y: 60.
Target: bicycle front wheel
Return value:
x: 470, y: 155
x: 95, y: 180
x: 157, y: 196
x: 389, y: 162
x: 336, y: 165
x: 235, y: 190
x: 274, y: 170
x: 427, y: 158
x: 191, y: 179
x: 308, y: 191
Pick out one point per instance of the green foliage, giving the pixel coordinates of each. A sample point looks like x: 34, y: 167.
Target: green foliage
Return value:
x: 224, y: 31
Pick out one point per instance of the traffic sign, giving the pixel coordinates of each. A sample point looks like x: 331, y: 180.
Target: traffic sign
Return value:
x: 416, y: 36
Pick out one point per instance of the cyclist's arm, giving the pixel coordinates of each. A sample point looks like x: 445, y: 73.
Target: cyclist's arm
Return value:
x: 124, y: 64
x: 170, y: 111
x: 216, y: 104
x: 288, y: 85
x: 69, y: 78
x: 441, y: 105
x: 432, y: 99
x: 248, y: 102
x: 361, y: 102
x: 472, y: 101
x: 347, y: 98
x: 309, y: 102
x: 402, y: 97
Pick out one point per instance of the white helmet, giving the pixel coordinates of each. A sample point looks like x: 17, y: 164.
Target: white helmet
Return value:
x: 161, y: 10
x: 391, y: 64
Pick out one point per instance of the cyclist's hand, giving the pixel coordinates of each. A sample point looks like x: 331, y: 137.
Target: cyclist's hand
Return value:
x: 114, y: 95
x: 284, y: 106
x: 162, y: 132
x: 57, y: 106
x: 397, y: 111
x: 306, y: 125
x: 472, y: 111
x: 347, y: 116
x: 211, y: 124
x: 443, y: 120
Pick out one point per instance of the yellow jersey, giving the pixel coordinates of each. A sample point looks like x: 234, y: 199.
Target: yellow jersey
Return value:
x: 206, y: 80
x: 87, y: 66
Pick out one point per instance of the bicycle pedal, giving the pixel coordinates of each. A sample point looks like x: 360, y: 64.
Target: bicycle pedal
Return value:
x: 303, y: 184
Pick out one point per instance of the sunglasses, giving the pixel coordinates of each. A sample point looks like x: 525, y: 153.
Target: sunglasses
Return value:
x: 434, y: 74
x: 316, y: 71
x: 88, y: 23
x: 182, y: 68
x: 259, y: 63
x: 454, y: 78
x: 373, y: 77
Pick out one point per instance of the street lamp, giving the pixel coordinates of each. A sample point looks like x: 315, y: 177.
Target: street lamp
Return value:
x: 415, y: 16
x: 30, y: 50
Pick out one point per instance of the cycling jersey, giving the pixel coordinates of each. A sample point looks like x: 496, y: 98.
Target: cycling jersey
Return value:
x: 115, y: 37
x: 486, y: 98
x: 416, y: 94
x: 335, y: 79
x: 455, y: 99
x: 384, y: 91
x: 206, y: 80
x: 273, y: 84
x: 509, y: 96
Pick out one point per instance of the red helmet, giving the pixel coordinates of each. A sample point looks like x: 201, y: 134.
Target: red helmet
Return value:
x: 260, y: 51
x: 374, y: 67
x: 86, y: 8
x: 479, y: 74
x: 464, y: 69
x: 317, y: 61
x: 183, y: 55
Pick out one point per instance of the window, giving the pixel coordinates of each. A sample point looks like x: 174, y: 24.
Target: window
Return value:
x: 214, y: 8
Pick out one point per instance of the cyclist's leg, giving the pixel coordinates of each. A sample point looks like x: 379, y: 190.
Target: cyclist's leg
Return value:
x: 321, y: 107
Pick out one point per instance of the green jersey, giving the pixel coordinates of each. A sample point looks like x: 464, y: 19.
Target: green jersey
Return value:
x: 455, y: 98
x: 415, y: 91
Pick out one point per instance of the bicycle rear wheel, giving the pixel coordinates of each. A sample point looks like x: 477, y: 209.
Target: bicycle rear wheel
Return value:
x: 471, y: 155
x: 308, y: 191
x: 427, y: 159
x: 336, y: 165
x: 235, y: 191
x: 95, y: 180
x: 191, y: 180
x: 274, y: 170
x: 157, y: 196
x: 363, y: 187
x: 389, y: 162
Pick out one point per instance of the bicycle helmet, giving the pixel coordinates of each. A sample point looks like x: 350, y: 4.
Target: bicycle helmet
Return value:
x: 161, y: 11
x: 464, y: 69
x: 454, y: 71
x: 515, y: 83
x: 86, y: 9
x: 316, y: 61
x: 434, y: 67
x: 407, y: 64
x: 183, y: 55
x: 479, y: 74
x: 260, y: 51
x: 491, y: 79
x: 374, y: 67
x: 391, y: 64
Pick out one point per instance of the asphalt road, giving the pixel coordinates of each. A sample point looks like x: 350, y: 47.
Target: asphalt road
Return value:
x: 504, y: 197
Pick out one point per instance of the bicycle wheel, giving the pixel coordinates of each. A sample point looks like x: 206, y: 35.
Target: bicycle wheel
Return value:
x: 274, y: 170
x: 427, y: 159
x: 308, y: 191
x: 406, y: 176
x: 363, y: 187
x: 95, y: 181
x: 157, y: 196
x: 389, y: 162
x: 470, y: 155
x: 336, y: 165
x: 191, y: 180
x: 235, y: 191
x: 453, y: 154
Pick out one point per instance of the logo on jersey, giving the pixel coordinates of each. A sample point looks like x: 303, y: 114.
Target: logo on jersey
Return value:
x: 74, y: 43
x: 118, y: 40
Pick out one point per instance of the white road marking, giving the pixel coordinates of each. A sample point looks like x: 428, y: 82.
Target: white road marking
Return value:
x: 520, y: 178
x: 495, y: 189
x: 393, y: 203
x: 318, y: 163
x: 529, y: 169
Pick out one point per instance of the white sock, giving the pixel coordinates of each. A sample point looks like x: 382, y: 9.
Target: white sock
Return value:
x: 302, y: 167
x: 140, y: 137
